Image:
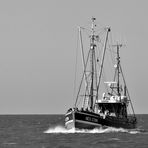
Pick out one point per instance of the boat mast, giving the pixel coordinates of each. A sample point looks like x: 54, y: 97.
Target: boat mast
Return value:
x: 118, y: 69
x: 91, y: 57
x: 92, y: 49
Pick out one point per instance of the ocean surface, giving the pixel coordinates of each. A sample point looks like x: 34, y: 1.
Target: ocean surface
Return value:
x: 47, y: 131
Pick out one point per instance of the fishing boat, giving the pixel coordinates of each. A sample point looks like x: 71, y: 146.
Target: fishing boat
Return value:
x: 96, y: 106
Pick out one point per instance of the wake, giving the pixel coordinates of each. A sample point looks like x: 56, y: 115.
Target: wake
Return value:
x: 60, y: 129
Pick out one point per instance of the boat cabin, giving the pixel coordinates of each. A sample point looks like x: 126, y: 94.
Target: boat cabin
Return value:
x: 112, y: 106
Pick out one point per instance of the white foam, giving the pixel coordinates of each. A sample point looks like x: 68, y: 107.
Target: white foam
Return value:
x: 134, y: 132
x: 60, y: 129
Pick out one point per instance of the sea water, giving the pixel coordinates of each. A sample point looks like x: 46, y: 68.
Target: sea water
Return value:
x: 47, y: 131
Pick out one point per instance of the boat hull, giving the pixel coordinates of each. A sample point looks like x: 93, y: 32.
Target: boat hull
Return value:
x: 89, y: 120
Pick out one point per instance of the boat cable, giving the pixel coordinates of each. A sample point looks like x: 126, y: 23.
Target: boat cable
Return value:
x: 127, y: 91
x: 111, y: 49
x: 102, y: 61
x: 76, y: 64
x: 82, y: 79
x: 83, y: 58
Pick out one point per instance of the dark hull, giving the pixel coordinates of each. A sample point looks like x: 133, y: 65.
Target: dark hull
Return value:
x: 89, y: 120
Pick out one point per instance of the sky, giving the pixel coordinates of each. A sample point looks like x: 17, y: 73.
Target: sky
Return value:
x: 38, y: 47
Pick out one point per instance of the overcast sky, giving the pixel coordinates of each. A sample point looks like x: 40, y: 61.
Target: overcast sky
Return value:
x: 37, y: 50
